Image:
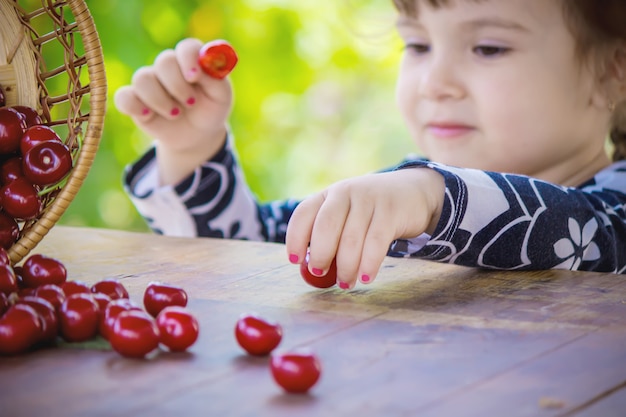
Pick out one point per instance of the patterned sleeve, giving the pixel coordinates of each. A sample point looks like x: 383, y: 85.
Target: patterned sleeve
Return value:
x: 214, y: 201
x: 505, y: 221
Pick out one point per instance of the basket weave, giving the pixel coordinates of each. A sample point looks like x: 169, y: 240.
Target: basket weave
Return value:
x: 51, y: 59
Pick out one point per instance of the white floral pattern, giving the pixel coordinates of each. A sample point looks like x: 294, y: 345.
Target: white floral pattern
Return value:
x: 579, y: 246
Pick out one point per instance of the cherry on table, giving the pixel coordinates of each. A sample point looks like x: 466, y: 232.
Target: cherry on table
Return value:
x: 178, y: 328
x: 297, y: 371
x: 159, y: 295
x: 135, y: 334
x: 256, y: 335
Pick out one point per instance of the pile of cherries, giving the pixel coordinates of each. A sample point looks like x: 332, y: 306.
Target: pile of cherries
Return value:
x: 32, y: 158
x: 38, y: 305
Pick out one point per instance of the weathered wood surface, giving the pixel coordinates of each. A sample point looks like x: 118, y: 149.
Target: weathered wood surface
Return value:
x: 424, y: 339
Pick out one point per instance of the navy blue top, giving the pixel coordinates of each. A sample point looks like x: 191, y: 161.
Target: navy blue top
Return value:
x: 489, y: 219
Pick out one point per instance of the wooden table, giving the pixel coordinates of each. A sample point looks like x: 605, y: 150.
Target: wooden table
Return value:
x: 425, y: 339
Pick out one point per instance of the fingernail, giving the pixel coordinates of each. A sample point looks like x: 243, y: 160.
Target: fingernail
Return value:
x: 175, y: 111
x: 192, y: 72
x: 343, y: 285
x: 365, y: 278
x: 191, y: 101
x: 317, y: 271
x: 145, y: 111
x: 293, y: 258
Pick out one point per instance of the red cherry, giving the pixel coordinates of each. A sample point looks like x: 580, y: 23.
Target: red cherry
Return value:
x: 178, y: 328
x: 47, y: 162
x: 217, y: 58
x: 11, y: 169
x: 47, y: 312
x: 79, y: 318
x: 37, y: 134
x: 4, y: 256
x: 256, y: 335
x: 296, y: 372
x: 9, y: 230
x: 158, y: 296
x: 75, y: 287
x: 52, y: 293
x: 20, y: 328
x: 112, y: 310
x: 20, y: 199
x: 134, y: 334
x: 8, y: 280
x: 39, y: 270
x: 325, y: 281
x: 30, y: 115
x: 4, y: 303
x: 12, y: 127
x: 111, y: 287
x: 103, y: 301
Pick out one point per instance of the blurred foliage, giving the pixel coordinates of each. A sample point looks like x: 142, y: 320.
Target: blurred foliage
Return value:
x: 314, y: 92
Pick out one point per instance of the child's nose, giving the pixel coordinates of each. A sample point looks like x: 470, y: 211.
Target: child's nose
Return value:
x: 442, y: 78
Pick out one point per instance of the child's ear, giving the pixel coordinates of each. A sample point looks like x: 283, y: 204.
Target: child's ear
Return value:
x: 616, y: 74
x: 611, y: 78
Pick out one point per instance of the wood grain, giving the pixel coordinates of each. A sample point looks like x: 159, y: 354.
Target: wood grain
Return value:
x: 424, y: 339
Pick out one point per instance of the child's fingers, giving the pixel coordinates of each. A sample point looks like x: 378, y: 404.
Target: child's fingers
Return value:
x: 351, y: 244
x: 375, y: 245
x: 300, y: 226
x: 129, y: 104
x: 215, y: 90
x: 170, y: 75
x: 327, y: 228
x: 150, y: 91
x: 187, y: 52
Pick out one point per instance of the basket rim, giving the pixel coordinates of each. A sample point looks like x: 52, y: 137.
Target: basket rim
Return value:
x: 92, y: 136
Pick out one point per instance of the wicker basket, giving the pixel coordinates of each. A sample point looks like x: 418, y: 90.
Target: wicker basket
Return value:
x: 51, y: 60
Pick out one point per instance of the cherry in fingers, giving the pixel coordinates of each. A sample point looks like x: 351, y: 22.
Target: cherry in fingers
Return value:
x: 326, y: 281
x: 217, y: 58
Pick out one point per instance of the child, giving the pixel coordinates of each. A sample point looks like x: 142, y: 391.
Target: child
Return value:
x: 511, y: 101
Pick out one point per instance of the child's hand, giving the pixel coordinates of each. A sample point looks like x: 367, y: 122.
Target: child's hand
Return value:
x: 356, y: 220
x: 180, y: 106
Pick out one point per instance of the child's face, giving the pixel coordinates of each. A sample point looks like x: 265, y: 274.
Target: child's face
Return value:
x: 496, y: 85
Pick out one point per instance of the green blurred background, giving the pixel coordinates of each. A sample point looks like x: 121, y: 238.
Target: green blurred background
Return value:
x: 314, y: 92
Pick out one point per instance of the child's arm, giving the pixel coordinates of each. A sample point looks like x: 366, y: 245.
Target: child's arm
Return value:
x: 182, y: 108
x: 483, y: 219
x: 213, y: 201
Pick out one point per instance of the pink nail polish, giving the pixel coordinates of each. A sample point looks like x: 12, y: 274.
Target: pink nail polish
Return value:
x: 191, y: 101
x: 293, y: 258
x: 145, y: 111
x: 175, y: 111
x: 317, y: 271
x: 192, y: 73
x: 343, y: 285
x: 365, y: 278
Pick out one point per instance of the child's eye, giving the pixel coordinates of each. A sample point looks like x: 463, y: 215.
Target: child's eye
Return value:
x: 490, y: 50
x: 417, y: 48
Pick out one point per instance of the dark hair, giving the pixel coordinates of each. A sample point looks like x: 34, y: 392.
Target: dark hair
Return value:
x: 595, y: 25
